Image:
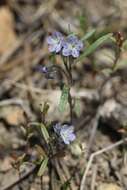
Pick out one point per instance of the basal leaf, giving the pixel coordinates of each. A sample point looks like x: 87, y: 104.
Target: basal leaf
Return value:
x: 40, y: 150
x: 88, y: 35
x: 64, y: 98
x: 45, y: 133
x: 43, y: 167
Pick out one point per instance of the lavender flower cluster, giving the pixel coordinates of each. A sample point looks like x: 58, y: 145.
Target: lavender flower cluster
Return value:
x: 69, y: 46
x: 65, y: 132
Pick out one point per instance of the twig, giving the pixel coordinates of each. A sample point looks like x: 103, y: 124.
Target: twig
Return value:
x: 83, y: 181
x: 11, y: 101
x: 94, y: 129
x: 94, y: 173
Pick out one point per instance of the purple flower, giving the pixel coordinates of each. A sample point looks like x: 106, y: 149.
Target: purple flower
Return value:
x: 72, y: 46
x: 43, y: 69
x: 48, y: 72
x: 66, y: 132
x: 55, y: 42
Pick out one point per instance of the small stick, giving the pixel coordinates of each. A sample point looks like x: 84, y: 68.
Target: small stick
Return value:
x: 83, y: 181
x: 95, y: 121
x: 94, y: 174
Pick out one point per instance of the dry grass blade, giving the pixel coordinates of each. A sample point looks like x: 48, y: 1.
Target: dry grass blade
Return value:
x: 110, y: 147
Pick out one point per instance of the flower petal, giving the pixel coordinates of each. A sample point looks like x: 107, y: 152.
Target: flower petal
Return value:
x: 58, y: 48
x: 65, y: 45
x: 50, y: 40
x: 66, y: 52
x: 72, y: 39
x: 75, y: 53
x: 52, y: 48
x: 57, y: 34
x: 66, y: 141
x: 69, y: 129
x: 79, y: 45
x: 57, y: 128
x: 72, y: 137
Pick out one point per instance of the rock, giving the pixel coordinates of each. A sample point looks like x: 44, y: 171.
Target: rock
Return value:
x: 6, y: 164
x: 7, y: 35
x: 14, y: 115
x: 114, y: 113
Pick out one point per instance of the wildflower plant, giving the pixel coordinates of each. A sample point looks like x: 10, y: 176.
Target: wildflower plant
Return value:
x: 56, y: 137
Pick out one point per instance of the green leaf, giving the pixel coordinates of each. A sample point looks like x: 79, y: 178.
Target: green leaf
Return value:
x: 40, y: 151
x: 45, y: 133
x: 77, y: 107
x: 43, y: 167
x: 91, y: 48
x: 64, y: 98
x: 88, y: 35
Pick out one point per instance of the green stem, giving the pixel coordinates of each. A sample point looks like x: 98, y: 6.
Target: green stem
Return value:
x: 71, y: 106
x: 68, y: 66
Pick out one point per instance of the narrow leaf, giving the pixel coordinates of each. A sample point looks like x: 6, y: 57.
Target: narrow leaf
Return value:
x: 77, y: 107
x: 40, y: 151
x: 45, y: 133
x: 45, y: 108
x: 91, y: 48
x: 43, y: 167
x: 88, y: 35
x: 64, y: 98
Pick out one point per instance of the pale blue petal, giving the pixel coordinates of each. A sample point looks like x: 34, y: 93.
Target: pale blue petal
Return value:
x: 52, y: 48
x: 66, y: 141
x: 58, y: 48
x: 72, y: 39
x: 65, y: 45
x: 66, y: 52
x: 57, y: 34
x: 72, y: 137
x: 79, y: 45
x: 57, y: 128
x: 69, y: 129
x: 50, y: 40
x: 75, y: 53
x: 65, y: 132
